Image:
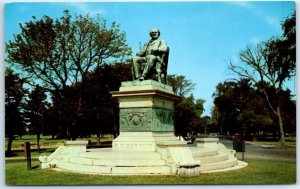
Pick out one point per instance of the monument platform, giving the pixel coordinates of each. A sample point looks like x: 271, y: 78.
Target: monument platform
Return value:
x: 146, y: 144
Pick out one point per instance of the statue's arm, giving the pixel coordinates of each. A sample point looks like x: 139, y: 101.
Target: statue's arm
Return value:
x: 163, y: 47
x: 142, y: 52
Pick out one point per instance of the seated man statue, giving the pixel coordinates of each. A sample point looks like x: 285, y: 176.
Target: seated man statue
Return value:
x: 152, y: 56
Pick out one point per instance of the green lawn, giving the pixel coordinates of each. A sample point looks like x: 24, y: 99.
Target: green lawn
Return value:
x: 46, y: 142
x: 291, y: 144
x: 257, y: 172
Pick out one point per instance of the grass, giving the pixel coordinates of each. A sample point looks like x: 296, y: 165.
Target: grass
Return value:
x: 18, y: 142
x: 291, y: 144
x: 34, y: 154
x: 46, y: 142
x: 257, y: 172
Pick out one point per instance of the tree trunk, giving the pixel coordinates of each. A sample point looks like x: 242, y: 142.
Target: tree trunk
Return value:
x: 282, y: 137
x: 254, y: 136
x: 9, y: 144
x: 38, y: 142
x: 68, y: 134
x: 98, y: 138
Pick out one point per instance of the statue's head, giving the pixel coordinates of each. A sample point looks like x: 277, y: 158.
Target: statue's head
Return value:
x: 154, y: 33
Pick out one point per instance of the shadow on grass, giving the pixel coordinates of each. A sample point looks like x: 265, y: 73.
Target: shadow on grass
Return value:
x: 35, y: 167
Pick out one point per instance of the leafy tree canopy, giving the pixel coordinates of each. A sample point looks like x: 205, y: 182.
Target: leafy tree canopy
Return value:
x: 60, y: 52
x: 181, y: 85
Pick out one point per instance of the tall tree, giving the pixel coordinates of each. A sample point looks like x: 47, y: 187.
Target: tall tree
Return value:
x: 14, y: 102
x: 188, y: 110
x: 271, y: 63
x: 61, y: 52
x: 36, y: 108
x: 51, y: 124
x: 181, y: 85
x: 185, y: 116
x: 58, y: 53
x: 241, y: 108
x: 101, y: 109
x: 199, y: 106
x: 230, y: 98
x: 88, y: 107
x: 238, y: 108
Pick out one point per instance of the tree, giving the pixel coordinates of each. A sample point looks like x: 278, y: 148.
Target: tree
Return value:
x: 241, y: 108
x: 199, y: 106
x: 14, y: 101
x: 205, y: 124
x: 88, y: 107
x: 36, y: 108
x: 61, y: 52
x: 51, y: 124
x: 181, y: 86
x: 271, y: 63
x: 188, y: 110
x: 230, y: 98
x: 184, y: 116
x: 184, y: 109
x: 68, y: 110
x: 215, y: 126
x: 187, y: 116
x: 101, y: 109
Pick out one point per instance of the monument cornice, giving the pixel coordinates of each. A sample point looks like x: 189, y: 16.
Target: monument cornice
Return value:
x: 145, y: 93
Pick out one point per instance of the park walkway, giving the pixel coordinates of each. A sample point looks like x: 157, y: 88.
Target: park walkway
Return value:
x: 265, y: 151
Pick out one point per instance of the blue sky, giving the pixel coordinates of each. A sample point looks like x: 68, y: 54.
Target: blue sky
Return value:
x: 203, y: 36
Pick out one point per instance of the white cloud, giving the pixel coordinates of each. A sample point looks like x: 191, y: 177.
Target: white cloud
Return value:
x: 86, y: 8
x: 256, y: 10
x: 244, y: 4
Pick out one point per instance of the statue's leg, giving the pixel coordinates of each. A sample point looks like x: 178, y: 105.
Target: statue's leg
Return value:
x: 136, y: 64
x: 151, y: 60
x: 158, y: 70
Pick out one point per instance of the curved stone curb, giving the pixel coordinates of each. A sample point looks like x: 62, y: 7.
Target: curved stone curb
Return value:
x: 240, y: 165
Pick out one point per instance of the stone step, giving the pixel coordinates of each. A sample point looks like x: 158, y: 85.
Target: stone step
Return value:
x: 162, y: 170
x: 92, y: 169
x: 240, y: 165
x: 115, y: 155
x: 118, y: 162
x: 130, y: 163
x: 213, y: 159
x: 199, y: 152
x: 171, y: 143
x: 79, y: 168
x: 218, y: 165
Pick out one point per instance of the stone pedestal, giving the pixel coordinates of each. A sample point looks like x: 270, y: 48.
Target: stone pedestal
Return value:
x: 146, y: 116
x: 146, y: 144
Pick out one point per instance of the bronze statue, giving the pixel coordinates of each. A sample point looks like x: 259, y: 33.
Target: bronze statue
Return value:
x: 152, y: 60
